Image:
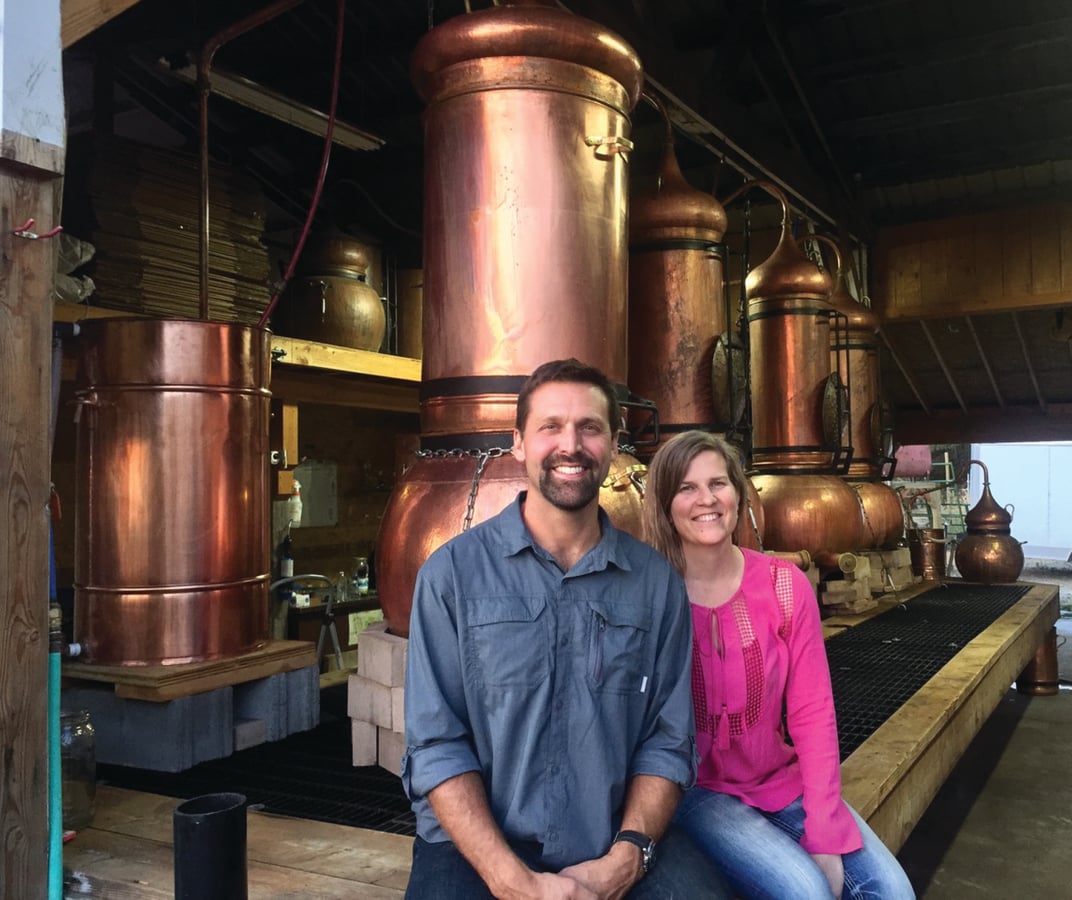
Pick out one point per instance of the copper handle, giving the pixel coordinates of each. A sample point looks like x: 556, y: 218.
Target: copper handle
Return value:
x: 606, y: 146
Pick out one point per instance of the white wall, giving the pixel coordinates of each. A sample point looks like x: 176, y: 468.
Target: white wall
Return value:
x: 1034, y: 478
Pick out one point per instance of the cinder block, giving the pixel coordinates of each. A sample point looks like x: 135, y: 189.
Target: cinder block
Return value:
x: 249, y: 733
x: 398, y: 709
x: 363, y: 742
x: 381, y: 656
x: 303, y: 699
x: 369, y: 701
x: 164, y: 737
x: 265, y: 700
x: 391, y: 746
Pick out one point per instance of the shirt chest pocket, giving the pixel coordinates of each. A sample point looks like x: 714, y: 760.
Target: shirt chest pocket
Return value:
x: 507, y: 642
x: 617, y: 636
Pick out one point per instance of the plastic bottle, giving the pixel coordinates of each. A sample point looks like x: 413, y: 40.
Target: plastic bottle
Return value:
x: 361, y: 575
x: 294, y: 505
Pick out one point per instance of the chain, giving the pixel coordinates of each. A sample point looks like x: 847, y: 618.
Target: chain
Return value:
x: 867, y: 519
x: 481, y: 457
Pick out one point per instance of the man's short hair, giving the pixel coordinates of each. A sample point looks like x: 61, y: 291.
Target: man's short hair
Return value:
x: 568, y: 371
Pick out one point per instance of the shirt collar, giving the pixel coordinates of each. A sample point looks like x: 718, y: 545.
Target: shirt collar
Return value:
x: 609, y: 551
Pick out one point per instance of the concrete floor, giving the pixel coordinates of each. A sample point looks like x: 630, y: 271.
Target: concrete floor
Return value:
x: 1001, y: 826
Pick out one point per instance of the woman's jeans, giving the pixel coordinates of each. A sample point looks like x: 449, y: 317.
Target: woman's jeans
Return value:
x: 761, y: 857
x: 681, y: 872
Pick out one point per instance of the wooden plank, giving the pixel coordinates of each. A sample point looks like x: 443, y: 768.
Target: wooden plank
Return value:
x: 161, y: 683
x: 893, y: 776
x: 131, y: 836
x: 313, y: 355
x: 25, y: 350
x: 80, y: 17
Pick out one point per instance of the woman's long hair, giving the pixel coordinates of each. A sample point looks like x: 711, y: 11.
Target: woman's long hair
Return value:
x: 665, y: 474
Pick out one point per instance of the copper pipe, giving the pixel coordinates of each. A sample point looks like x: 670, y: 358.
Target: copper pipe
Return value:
x: 204, y: 65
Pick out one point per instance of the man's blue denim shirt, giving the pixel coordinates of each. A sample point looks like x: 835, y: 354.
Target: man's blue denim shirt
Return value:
x: 557, y: 688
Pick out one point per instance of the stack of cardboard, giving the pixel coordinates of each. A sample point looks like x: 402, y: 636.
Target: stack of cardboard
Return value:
x: 146, y: 213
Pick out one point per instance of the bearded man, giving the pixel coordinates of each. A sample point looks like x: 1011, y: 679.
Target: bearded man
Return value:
x: 549, y: 723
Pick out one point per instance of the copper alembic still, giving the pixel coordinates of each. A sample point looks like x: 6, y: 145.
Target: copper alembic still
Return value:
x: 988, y: 553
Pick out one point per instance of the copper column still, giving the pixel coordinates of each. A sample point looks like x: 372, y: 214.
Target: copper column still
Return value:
x: 172, y: 555
x: 854, y: 356
x: 678, y: 310
x: 797, y: 432
x: 988, y: 553
x: 526, y: 140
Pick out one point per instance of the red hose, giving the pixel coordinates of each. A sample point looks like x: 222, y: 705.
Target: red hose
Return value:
x: 325, y: 158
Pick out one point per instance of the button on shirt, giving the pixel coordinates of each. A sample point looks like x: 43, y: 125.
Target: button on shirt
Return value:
x: 556, y: 687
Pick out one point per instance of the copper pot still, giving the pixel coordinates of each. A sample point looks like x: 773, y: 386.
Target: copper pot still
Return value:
x: 988, y: 553
x: 440, y: 496
x: 172, y: 554
x: 676, y: 300
x: 791, y: 377
x: 526, y: 137
x: 814, y: 512
x: 330, y: 299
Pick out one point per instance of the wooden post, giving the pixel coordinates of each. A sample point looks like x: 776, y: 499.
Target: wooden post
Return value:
x: 31, y: 157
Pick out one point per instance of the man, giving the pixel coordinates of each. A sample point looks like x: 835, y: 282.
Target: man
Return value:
x: 548, y: 714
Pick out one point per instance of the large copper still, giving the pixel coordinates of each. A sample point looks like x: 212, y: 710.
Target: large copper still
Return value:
x: 677, y: 305
x: 676, y: 297
x: 988, y: 553
x: 796, y: 403
x: 854, y: 357
x: 526, y: 142
x: 172, y: 556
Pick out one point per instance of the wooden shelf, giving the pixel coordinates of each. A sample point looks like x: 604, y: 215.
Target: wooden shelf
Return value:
x: 310, y: 372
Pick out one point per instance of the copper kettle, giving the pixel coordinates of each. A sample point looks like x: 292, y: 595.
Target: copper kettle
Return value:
x: 988, y: 553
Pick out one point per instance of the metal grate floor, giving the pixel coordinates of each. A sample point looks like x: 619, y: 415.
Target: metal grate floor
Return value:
x: 877, y: 665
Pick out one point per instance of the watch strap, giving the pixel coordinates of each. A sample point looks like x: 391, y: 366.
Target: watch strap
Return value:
x: 644, y: 842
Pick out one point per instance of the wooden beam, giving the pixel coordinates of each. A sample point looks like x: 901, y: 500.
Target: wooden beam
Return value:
x: 80, y: 17
x: 25, y: 350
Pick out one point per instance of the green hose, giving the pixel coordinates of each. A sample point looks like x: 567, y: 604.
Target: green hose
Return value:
x: 55, y: 783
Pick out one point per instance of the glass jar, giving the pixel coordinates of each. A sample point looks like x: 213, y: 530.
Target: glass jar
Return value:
x: 78, y: 764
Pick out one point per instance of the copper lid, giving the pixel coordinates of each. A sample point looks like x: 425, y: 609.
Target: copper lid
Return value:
x: 987, y: 516
x: 787, y: 272
x: 674, y: 210
x: 525, y: 29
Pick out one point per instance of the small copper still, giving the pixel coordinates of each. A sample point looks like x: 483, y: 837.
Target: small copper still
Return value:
x: 330, y: 299
x: 988, y: 553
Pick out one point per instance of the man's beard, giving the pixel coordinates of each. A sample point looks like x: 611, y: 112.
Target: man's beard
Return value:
x: 570, y: 495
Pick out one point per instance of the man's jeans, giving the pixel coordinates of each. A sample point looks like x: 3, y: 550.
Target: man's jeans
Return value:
x: 681, y: 872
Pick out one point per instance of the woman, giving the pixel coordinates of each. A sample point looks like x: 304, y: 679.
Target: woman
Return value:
x: 768, y: 811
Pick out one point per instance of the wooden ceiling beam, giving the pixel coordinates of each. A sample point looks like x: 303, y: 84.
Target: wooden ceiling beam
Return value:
x: 942, y: 365
x: 81, y: 17
x: 985, y: 361
x: 1027, y: 361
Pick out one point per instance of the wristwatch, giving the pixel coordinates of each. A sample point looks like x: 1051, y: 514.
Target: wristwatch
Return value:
x: 644, y: 842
